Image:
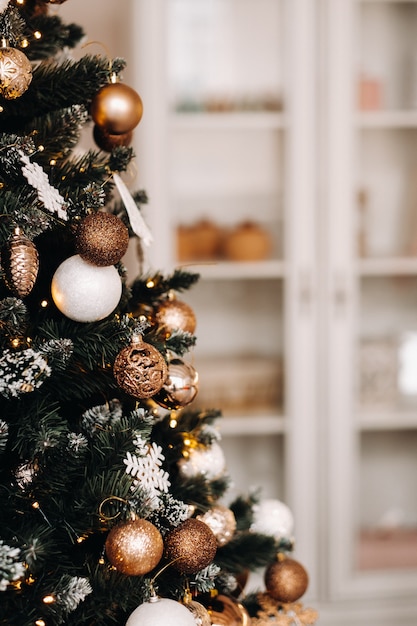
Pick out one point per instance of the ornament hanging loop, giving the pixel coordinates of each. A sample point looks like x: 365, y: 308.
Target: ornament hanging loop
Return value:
x: 107, y: 53
x: 108, y: 518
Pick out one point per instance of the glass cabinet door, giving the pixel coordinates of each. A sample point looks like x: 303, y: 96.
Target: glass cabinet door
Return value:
x: 386, y: 185
x: 372, y: 308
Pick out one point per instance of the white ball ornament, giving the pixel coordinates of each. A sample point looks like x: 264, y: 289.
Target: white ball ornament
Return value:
x: 161, y: 612
x: 84, y: 292
x: 274, y: 518
x: 207, y: 461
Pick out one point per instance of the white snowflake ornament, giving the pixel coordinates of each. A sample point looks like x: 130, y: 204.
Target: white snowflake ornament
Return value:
x: 146, y: 468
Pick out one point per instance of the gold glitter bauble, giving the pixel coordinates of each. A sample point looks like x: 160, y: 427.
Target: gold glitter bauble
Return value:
x: 15, y: 73
x: 222, y: 522
x: 225, y: 611
x: 173, y: 314
x: 199, y: 612
x: 102, y: 239
x: 181, y: 386
x: 140, y: 370
x: 20, y: 263
x: 105, y: 141
x: 286, y: 580
x: 117, y: 108
x: 192, y: 546
x: 135, y: 547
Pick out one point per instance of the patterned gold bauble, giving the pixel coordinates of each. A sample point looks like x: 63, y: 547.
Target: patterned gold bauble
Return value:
x: 181, y: 386
x: 135, y: 547
x: 286, y: 580
x: 173, y: 314
x: 20, y: 263
x: 226, y: 611
x: 191, y: 546
x: 116, y: 108
x: 222, y: 522
x: 140, y: 369
x: 105, y: 141
x: 102, y: 239
x: 15, y: 72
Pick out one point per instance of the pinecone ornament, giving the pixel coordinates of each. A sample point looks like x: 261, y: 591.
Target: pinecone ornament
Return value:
x: 20, y: 264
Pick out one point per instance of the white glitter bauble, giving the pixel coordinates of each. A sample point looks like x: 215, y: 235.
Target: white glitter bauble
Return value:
x: 208, y: 461
x: 273, y: 518
x: 3, y: 5
x: 161, y: 612
x: 85, y: 292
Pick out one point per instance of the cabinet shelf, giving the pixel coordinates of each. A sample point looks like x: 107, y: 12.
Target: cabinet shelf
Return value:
x: 242, y: 270
x: 392, y: 266
x: 386, y: 119
x: 232, y: 120
x: 386, y: 419
x: 253, y: 425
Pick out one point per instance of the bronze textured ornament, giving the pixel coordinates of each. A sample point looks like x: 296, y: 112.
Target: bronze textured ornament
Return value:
x: 20, y: 264
x: 140, y: 369
x: 15, y: 72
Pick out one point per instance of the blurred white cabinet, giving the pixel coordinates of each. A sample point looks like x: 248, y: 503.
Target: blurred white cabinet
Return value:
x: 369, y: 306
x: 299, y: 116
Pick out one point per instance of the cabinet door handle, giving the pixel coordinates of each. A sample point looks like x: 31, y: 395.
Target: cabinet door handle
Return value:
x: 305, y: 294
x: 340, y: 296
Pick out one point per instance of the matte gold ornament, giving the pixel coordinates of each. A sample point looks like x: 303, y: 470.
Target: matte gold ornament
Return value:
x: 134, y: 547
x: 102, y: 239
x: 140, y: 369
x: 173, y: 314
x: 226, y: 611
x: 15, y: 72
x: 105, y: 141
x: 20, y: 263
x: 286, y: 580
x: 191, y: 546
x: 222, y: 522
x: 180, y: 387
x: 116, y: 108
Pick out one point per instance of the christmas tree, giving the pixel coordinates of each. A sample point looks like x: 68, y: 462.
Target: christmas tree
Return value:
x: 113, y: 488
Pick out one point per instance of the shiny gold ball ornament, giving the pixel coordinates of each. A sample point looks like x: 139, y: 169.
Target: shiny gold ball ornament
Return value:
x: 286, y: 580
x: 226, y: 611
x: 199, y: 612
x: 180, y: 387
x: 134, y: 547
x: 173, y: 314
x: 116, y: 108
x: 105, y: 141
x: 222, y: 522
x: 15, y: 72
x: 20, y: 263
x: 191, y: 546
x: 140, y: 369
x: 102, y: 239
